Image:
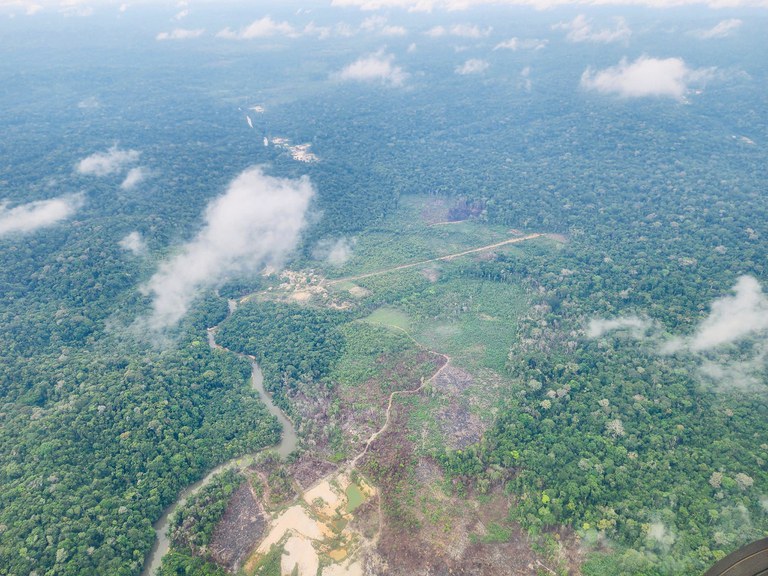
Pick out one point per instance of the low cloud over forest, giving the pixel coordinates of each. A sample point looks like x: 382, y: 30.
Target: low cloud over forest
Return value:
x: 257, y: 222
x: 40, y: 214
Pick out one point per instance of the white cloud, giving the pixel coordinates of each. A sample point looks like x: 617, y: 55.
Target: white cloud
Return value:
x: 635, y: 326
x: 668, y: 77
x: 321, y: 32
x: 459, y: 30
x: 377, y: 67
x: 389, y: 30
x: 256, y: 223
x: 521, y: 44
x: 580, y: 30
x: 266, y: 27
x: 180, y: 34
x: 525, y: 79
x: 40, y: 214
x: 134, y: 177
x: 335, y: 252
x: 133, y: 242
x: 373, y: 23
x: 429, y: 5
x: 379, y: 25
x: 263, y: 28
x: 660, y: 536
x: 105, y: 163
x: 740, y: 318
x: 472, y: 66
x: 740, y: 373
x: 89, y: 103
x: 729, y: 346
x: 734, y: 318
x: 720, y: 30
x: 77, y: 7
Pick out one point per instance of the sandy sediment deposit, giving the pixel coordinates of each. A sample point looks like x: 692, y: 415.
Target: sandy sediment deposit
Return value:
x: 298, y: 552
x: 309, y: 531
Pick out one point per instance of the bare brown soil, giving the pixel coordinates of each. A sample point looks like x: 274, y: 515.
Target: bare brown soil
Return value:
x: 239, y: 530
x: 361, y: 410
x: 308, y: 469
x: 426, y: 532
x: 458, y: 425
x: 435, y: 210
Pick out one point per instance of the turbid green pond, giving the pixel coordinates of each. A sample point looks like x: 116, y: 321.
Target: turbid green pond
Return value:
x: 355, y: 497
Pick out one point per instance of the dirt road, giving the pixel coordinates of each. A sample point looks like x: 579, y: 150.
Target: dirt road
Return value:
x: 438, y: 259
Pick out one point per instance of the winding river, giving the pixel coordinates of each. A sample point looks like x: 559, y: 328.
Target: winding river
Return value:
x: 287, y: 445
x: 288, y: 441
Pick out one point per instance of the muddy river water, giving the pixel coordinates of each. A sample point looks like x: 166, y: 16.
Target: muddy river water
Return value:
x: 286, y: 446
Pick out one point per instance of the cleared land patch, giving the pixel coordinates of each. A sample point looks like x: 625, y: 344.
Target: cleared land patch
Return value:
x: 422, y: 369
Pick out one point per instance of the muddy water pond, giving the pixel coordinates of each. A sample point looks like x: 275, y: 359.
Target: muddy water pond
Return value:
x: 355, y: 497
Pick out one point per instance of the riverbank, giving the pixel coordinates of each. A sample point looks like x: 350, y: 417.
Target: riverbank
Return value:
x: 288, y: 443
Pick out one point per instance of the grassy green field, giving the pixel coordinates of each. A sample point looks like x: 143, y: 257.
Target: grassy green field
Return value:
x: 472, y: 321
x: 390, y: 317
x: 431, y: 307
x: 408, y: 235
x: 366, y: 345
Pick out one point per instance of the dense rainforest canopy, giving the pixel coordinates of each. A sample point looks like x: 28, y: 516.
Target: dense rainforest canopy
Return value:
x: 631, y: 344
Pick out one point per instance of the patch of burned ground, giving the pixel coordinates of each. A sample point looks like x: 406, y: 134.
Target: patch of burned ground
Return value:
x: 307, y: 469
x: 453, y: 381
x: 428, y: 471
x: 366, y: 519
x: 435, y: 210
x: 239, y: 530
x: 425, y: 531
x: 336, y: 422
x: 271, y: 481
x: 459, y: 542
x: 459, y: 426
x: 514, y: 557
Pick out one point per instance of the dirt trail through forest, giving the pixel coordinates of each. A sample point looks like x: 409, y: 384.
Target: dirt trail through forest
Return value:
x: 387, y: 413
x: 293, y: 520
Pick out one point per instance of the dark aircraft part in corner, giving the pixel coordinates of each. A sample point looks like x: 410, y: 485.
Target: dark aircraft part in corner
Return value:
x: 751, y: 560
